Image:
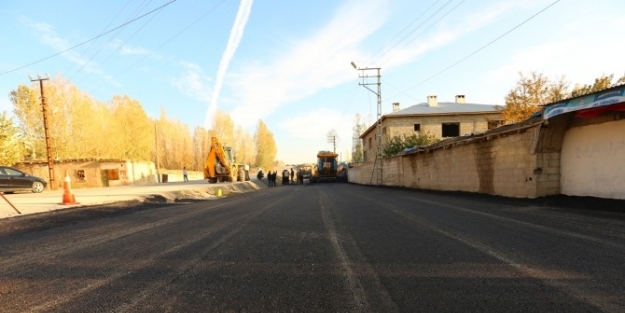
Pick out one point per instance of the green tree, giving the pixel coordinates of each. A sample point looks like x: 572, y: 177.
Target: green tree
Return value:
x: 266, y: 149
x: 10, y: 148
x: 529, y: 94
x: 397, y: 144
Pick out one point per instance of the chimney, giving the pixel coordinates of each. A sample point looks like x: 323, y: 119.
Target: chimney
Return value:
x: 395, y: 106
x: 432, y: 101
x: 460, y: 99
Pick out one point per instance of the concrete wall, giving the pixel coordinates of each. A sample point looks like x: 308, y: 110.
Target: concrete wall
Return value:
x: 593, y: 160
x: 568, y: 155
x: 499, y: 165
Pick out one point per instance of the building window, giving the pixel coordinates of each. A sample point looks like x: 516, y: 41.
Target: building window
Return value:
x: 384, y: 130
x: 112, y: 174
x: 451, y: 130
x: 80, y: 175
x: 370, y: 143
x: 417, y: 127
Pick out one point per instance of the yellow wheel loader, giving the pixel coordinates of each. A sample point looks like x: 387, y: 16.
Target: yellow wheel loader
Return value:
x: 220, y: 165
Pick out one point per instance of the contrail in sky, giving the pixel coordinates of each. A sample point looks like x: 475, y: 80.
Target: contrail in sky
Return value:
x: 236, y: 33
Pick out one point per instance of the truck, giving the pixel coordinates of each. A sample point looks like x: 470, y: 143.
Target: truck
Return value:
x: 326, y: 168
x: 220, y: 165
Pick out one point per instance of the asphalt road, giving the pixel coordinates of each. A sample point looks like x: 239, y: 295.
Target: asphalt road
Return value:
x: 317, y: 248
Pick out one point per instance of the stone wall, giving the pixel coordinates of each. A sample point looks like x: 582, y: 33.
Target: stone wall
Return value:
x: 566, y: 154
x: 500, y: 164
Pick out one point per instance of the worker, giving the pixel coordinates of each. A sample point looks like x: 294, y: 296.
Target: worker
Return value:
x: 246, y: 167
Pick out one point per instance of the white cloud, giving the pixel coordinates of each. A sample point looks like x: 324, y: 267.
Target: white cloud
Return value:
x: 309, y: 132
x: 194, y: 82
x: 312, y: 65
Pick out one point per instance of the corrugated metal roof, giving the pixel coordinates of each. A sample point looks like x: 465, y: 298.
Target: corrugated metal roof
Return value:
x: 445, y: 108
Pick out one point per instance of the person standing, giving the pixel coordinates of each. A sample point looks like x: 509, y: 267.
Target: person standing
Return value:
x: 285, y: 177
x: 292, y: 176
x: 246, y: 168
x: 185, y: 175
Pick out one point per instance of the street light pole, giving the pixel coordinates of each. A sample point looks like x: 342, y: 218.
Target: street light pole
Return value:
x: 366, y: 81
x: 46, y: 131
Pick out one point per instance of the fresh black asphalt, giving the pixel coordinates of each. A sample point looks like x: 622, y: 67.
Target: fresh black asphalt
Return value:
x: 317, y: 248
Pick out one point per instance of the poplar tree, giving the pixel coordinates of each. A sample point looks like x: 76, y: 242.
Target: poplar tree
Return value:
x: 266, y: 149
x: 10, y: 149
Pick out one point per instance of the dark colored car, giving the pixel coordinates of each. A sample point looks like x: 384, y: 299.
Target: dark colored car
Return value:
x: 12, y: 179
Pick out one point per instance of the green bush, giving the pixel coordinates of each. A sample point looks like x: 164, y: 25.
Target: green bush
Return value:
x: 397, y: 144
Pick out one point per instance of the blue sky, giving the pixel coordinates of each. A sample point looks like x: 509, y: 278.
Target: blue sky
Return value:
x: 288, y: 62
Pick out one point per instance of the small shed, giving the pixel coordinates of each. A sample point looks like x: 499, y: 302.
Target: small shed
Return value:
x: 90, y: 173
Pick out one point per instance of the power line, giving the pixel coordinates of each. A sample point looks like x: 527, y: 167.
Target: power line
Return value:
x: 422, y: 32
x: 87, y: 41
x: 110, y: 39
x: 480, y: 49
x: 175, y: 35
x: 405, y: 28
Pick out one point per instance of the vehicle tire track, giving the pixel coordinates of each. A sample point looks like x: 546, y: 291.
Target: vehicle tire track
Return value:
x: 602, y: 302
x: 354, y: 285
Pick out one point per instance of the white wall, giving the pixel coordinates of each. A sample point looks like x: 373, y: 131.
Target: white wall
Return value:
x: 593, y: 161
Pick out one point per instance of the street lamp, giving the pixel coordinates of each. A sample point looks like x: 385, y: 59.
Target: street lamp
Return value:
x: 365, y: 81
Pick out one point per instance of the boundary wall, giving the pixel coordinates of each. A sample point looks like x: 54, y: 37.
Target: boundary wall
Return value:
x: 521, y: 160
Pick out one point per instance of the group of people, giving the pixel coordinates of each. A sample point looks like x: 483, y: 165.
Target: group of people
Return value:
x: 273, y: 176
x: 288, y: 177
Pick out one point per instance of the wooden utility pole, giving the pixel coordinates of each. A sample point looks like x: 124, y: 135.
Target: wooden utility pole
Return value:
x: 158, y: 176
x: 46, y: 131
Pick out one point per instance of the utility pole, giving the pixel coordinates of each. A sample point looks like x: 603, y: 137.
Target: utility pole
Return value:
x: 367, y: 80
x: 46, y: 130
x: 332, y: 140
x: 158, y: 176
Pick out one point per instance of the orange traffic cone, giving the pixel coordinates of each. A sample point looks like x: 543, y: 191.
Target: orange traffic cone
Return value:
x: 68, y: 197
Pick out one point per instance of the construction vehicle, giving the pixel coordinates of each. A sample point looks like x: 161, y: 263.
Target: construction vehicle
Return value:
x: 326, y: 168
x: 220, y: 164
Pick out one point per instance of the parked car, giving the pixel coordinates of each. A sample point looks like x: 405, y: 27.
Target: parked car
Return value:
x: 12, y: 179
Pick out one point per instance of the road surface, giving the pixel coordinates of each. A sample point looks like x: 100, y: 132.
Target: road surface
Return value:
x: 318, y: 248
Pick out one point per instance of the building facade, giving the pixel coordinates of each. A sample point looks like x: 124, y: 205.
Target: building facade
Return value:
x: 438, y: 119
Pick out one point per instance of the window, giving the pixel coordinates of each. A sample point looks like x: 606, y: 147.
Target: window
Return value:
x: 451, y: 129
x: 417, y: 127
x: 384, y: 130
x: 370, y: 143
x: 80, y: 175
x: 112, y: 174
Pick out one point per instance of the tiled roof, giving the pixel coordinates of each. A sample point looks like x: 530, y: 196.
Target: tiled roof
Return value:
x: 444, y: 108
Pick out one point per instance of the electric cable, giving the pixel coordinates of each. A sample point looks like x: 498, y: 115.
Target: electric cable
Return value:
x: 89, y: 40
x: 431, y: 25
x: 478, y: 50
x: 110, y: 39
x: 405, y: 28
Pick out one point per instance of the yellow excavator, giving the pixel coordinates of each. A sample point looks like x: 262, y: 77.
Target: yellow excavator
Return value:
x: 220, y: 165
